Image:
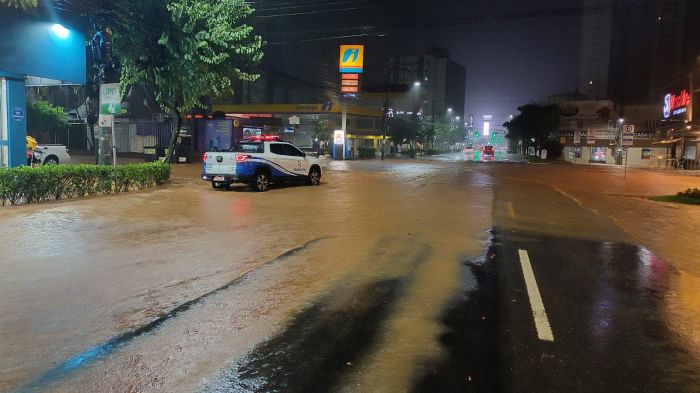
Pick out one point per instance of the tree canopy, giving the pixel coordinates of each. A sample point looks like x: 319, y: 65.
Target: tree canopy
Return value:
x: 185, y: 51
x: 535, y: 121
x: 20, y: 4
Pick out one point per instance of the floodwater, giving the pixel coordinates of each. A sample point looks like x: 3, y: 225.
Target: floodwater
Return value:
x: 164, y: 290
x: 392, y: 276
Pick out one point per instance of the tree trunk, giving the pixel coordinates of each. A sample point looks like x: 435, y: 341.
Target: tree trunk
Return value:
x: 177, y: 120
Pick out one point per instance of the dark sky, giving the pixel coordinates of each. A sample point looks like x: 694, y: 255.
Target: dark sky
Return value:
x: 514, y: 51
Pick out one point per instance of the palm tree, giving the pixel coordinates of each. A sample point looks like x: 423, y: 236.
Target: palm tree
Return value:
x: 23, y: 4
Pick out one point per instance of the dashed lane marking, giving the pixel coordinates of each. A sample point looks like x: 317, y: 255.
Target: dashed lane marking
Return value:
x: 544, y: 331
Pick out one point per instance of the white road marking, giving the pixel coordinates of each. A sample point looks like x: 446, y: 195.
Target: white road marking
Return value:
x: 544, y: 331
x: 511, y: 211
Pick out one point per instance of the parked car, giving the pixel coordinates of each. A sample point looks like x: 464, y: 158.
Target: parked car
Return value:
x: 488, y: 150
x: 469, y: 150
x: 52, y: 154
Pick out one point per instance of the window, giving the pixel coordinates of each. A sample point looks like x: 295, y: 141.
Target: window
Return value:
x: 293, y: 151
x: 647, y: 152
x: 574, y: 152
x: 278, y: 148
x: 248, y: 148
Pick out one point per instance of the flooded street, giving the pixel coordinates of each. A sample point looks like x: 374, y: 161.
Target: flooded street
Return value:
x: 81, y: 273
x: 392, y: 276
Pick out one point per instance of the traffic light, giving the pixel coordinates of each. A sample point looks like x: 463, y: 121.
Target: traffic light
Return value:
x: 476, y: 134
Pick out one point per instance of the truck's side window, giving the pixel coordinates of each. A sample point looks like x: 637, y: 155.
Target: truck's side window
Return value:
x: 278, y: 148
x: 293, y: 151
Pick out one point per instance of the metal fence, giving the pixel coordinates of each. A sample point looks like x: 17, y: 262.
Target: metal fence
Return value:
x: 132, y: 135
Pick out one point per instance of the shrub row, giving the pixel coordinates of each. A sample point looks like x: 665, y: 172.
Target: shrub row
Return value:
x: 55, y: 182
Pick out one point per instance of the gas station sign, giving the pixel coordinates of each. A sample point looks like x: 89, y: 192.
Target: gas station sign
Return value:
x: 352, y: 59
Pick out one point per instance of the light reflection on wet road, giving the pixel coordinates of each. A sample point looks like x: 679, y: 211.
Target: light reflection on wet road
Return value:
x: 358, y: 285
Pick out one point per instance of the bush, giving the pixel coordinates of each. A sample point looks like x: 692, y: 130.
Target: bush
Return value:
x: 367, y: 152
x: 55, y: 182
x: 690, y: 193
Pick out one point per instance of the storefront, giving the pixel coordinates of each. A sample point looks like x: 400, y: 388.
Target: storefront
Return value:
x: 40, y: 49
x: 680, y: 129
x: 363, y: 125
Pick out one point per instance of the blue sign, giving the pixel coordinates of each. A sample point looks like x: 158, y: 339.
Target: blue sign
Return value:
x: 17, y: 114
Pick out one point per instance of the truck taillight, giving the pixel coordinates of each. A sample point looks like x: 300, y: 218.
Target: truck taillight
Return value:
x: 241, y: 157
x: 204, y: 157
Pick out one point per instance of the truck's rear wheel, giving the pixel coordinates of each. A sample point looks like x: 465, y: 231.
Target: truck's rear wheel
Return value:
x: 219, y: 184
x: 314, y: 176
x: 261, y: 182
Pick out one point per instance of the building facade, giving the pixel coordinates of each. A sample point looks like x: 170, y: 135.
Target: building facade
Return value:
x: 32, y: 48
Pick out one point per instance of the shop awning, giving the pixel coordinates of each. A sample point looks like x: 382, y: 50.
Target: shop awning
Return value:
x: 667, y: 141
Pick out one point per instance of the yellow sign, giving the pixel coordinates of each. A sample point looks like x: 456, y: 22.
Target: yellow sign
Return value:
x: 352, y: 58
x: 323, y: 108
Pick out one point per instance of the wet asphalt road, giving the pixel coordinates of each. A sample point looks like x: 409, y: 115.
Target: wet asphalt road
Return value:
x: 435, y: 277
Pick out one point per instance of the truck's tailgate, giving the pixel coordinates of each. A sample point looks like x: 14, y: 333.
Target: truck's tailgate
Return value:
x: 220, y: 163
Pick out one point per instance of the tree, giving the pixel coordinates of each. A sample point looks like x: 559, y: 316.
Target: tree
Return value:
x: 322, y: 130
x: 402, y: 129
x: 185, y: 51
x: 538, y: 123
x: 43, y: 118
x: 20, y: 4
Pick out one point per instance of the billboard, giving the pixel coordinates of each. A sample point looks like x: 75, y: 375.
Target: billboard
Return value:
x: 352, y: 59
x: 586, y: 110
x: 676, y: 105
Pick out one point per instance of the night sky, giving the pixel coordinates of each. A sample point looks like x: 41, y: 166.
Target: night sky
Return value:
x: 514, y: 51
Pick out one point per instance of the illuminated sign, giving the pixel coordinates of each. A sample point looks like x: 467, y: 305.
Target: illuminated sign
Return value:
x: 349, y: 89
x: 676, y: 104
x: 487, y: 127
x: 352, y: 58
x: 339, y: 137
x: 349, y: 82
x: 350, y: 76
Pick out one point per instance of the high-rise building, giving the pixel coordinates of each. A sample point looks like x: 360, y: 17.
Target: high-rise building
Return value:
x: 652, y: 45
x: 632, y: 52
x: 442, y: 80
x: 595, y: 48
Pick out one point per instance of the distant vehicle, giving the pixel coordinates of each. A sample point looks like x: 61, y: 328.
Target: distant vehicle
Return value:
x: 52, y: 154
x: 258, y: 163
x: 469, y: 149
x: 488, y: 150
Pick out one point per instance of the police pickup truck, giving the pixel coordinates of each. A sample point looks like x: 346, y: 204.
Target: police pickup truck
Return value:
x: 259, y: 163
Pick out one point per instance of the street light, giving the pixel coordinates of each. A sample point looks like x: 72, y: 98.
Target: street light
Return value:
x: 449, y: 110
x: 457, y: 118
x: 416, y: 84
x: 60, y: 31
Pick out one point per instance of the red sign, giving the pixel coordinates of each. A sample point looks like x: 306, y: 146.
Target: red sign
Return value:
x: 349, y: 83
x: 676, y: 104
x: 681, y: 100
x: 349, y: 89
x: 350, y: 76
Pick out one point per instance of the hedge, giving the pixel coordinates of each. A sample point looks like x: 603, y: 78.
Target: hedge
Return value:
x: 55, y: 182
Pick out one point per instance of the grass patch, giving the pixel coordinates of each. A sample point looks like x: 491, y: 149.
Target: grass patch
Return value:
x: 676, y: 199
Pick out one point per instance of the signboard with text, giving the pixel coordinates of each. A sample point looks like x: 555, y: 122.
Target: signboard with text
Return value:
x: 110, y: 99
x: 339, y: 137
x: 628, y: 135
x: 577, y: 137
x: 590, y: 137
x: 352, y: 59
x: 676, y: 105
